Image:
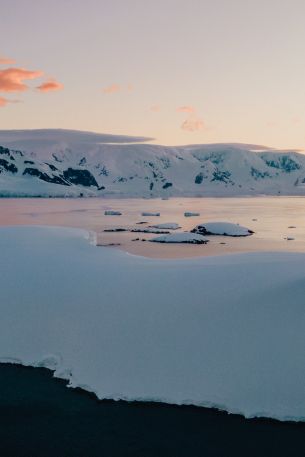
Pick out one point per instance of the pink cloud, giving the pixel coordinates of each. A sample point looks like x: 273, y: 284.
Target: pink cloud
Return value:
x: 5, y: 101
x: 6, y: 61
x: 192, y: 124
x: 186, y: 109
x: 50, y: 85
x: 271, y: 124
x: 12, y: 79
x: 155, y: 108
x: 112, y: 89
x: 296, y: 120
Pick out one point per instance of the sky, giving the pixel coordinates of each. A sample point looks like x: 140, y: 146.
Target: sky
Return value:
x: 181, y: 72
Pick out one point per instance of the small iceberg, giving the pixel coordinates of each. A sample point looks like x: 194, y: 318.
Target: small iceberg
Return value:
x: 190, y: 214
x: 185, y: 237
x: 112, y: 213
x: 145, y: 213
x: 222, y: 228
x: 166, y: 226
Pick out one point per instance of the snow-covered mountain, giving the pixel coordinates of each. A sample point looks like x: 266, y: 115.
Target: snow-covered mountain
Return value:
x: 71, y: 163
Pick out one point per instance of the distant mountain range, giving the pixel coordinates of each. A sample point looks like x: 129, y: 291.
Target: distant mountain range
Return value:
x: 59, y: 163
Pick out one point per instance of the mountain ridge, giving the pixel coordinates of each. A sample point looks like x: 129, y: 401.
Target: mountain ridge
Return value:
x: 65, y: 163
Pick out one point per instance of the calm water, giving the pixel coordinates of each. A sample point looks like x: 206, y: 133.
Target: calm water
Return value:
x: 41, y: 417
x: 271, y: 218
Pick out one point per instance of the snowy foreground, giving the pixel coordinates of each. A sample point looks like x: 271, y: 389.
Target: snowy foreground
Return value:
x: 216, y: 331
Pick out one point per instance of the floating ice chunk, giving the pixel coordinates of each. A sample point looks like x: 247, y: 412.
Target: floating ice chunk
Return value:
x: 167, y: 225
x: 112, y: 213
x: 146, y: 213
x: 190, y: 214
x: 185, y: 237
x: 117, y: 229
x: 222, y: 228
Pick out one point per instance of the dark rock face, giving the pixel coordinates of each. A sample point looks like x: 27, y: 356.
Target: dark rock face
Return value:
x: 167, y: 185
x: 56, y: 158
x: 4, y: 151
x: 6, y: 165
x: 68, y: 177
x: 29, y: 162
x: 258, y: 174
x: 52, y: 167
x: 45, y: 177
x: 284, y: 163
x: 199, y: 178
x: 102, y: 170
x: 80, y: 177
x: 223, y: 176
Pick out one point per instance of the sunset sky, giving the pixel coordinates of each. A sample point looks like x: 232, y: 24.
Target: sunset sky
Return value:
x: 196, y: 71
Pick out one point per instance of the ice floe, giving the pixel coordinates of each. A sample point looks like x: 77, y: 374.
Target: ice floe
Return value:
x: 222, y: 228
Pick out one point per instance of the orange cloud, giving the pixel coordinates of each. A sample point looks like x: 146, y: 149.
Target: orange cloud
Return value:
x: 50, y: 85
x: 12, y: 79
x: 112, y: 89
x: 5, y: 101
x: 186, y: 109
x: 6, y: 61
x: 155, y: 108
x: 192, y: 124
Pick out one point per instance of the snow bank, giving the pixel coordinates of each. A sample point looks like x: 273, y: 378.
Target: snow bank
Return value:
x: 222, y: 228
x: 216, y: 331
x: 185, y: 237
x: 167, y: 225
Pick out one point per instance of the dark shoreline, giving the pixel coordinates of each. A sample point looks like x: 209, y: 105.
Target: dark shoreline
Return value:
x: 40, y: 417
